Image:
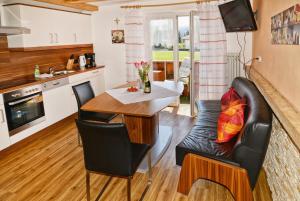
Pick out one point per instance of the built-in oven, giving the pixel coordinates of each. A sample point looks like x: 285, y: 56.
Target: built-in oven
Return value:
x: 24, y: 108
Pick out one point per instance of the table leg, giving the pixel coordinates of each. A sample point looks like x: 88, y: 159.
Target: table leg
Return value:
x: 158, y: 149
x: 147, y: 130
x: 142, y: 129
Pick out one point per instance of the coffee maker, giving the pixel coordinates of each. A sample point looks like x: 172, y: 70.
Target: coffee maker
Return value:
x: 90, y: 60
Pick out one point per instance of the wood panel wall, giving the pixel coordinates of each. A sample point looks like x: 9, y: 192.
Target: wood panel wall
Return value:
x: 16, y: 63
x: 4, y: 53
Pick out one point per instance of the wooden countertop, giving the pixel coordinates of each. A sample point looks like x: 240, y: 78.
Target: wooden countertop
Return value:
x: 288, y: 116
x: 40, y: 81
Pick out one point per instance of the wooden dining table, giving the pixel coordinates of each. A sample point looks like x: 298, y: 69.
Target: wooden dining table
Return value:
x: 141, y: 118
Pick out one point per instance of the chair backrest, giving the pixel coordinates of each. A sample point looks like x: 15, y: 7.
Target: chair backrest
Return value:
x: 106, y: 147
x: 251, y: 146
x: 83, y: 93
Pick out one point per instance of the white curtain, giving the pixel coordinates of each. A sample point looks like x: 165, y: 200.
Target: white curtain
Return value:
x: 210, y: 72
x: 134, y: 41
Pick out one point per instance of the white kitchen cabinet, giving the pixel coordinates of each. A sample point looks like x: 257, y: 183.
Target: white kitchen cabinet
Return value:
x: 4, y: 135
x: 97, y: 81
x: 96, y: 77
x: 35, y: 19
x: 73, y: 103
x: 75, y: 80
x: 82, y: 30
x: 48, y: 27
x: 57, y: 104
x: 85, y: 75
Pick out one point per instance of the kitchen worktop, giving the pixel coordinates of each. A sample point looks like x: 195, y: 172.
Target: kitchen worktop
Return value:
x: 30, y: 80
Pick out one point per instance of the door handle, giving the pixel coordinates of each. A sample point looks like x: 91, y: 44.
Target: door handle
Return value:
x: 75, y: 37
x: 2, y: 116
x: 23, y: 100
x: 56, y: 37
x: 57, y: 83
x: 51, y: 38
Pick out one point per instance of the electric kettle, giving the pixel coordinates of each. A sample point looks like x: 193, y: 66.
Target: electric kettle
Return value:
x: 82, y: 62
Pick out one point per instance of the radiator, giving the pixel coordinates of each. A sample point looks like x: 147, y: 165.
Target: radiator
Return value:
x: 233, y: 66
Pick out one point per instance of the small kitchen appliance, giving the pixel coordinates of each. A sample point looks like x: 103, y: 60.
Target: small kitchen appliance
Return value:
x: 82, y: 62
x: 90, y: 60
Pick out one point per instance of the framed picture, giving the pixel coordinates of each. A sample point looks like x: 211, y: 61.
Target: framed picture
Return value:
x: 117, y: 36
x: 285, y: 27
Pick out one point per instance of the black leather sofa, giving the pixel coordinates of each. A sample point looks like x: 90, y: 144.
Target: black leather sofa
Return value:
x: 248, y: 149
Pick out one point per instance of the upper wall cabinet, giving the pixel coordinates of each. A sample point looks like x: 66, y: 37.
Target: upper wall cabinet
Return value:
x: 48, y: 27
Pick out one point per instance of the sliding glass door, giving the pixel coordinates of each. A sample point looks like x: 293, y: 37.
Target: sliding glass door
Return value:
x: 195, y: 59
x: 175, y: 52
x: 184, y: 67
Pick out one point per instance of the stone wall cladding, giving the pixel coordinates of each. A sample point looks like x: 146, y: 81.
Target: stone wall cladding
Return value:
x: 282, y: 165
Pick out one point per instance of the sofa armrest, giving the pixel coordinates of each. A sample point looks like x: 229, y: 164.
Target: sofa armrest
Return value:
x: 234, y: 178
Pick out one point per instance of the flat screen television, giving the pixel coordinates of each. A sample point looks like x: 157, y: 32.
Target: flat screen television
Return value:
x: 238, y: 16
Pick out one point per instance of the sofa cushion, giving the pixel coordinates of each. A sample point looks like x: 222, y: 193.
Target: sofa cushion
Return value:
x: 231, y: 120
x: 202, y: 137
x: 230, y: 96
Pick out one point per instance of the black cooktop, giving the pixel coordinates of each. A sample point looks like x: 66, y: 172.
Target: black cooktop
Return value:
x: 16, y: 82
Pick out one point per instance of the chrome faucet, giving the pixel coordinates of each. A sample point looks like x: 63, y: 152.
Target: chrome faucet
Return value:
x: 51, y: 70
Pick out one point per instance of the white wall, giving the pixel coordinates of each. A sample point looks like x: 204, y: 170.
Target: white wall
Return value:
x: 1, y: 12
x: 111, y: 55
x: 233, y: 47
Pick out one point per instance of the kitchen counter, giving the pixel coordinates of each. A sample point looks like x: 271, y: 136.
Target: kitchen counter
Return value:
x: 30, y: 80
x: 58, y: 101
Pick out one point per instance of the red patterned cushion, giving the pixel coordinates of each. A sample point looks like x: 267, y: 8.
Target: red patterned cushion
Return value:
x: 231, y: 120
x: 230, y: 96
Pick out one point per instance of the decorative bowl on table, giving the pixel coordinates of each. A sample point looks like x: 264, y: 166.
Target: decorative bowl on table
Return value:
x: 132, y: 89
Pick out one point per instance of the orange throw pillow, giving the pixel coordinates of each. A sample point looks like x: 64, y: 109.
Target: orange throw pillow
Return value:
x: 231, y: 120
x: 230, y: 96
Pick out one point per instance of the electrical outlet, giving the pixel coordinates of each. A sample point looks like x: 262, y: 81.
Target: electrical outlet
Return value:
x: 259, y: 59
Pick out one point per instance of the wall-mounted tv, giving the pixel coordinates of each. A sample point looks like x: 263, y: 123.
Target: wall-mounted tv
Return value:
x: 238, y: 16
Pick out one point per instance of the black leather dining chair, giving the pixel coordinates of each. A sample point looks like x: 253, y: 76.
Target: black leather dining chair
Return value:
x: 83, y: 93
x: 107, y: 150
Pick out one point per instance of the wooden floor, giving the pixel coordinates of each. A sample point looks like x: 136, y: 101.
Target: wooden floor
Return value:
x: 49, y: 166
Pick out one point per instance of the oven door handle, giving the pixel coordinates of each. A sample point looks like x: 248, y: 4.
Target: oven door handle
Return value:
x: 2, y: 116
x: 22, y: 100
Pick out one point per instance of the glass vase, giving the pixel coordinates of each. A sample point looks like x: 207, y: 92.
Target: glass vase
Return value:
x: 140, y: 84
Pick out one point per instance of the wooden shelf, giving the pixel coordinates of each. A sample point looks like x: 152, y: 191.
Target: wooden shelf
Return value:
x: 288, y: 116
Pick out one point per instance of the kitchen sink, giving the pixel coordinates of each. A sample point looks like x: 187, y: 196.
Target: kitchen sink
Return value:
x: 63, y: 72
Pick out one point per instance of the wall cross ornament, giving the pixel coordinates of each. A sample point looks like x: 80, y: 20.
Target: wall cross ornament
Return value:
x: 117, y: 20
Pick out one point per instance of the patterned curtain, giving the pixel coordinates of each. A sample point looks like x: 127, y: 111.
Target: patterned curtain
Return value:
x: 134, y: 41
x: 210, y: 72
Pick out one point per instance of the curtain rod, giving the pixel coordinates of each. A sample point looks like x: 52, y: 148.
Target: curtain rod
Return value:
x: 167, y: 4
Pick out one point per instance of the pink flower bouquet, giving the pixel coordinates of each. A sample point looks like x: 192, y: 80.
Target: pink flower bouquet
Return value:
x: 143, y: 69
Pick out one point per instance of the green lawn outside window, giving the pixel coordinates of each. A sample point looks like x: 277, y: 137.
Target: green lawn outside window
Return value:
x: 169, y: 55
